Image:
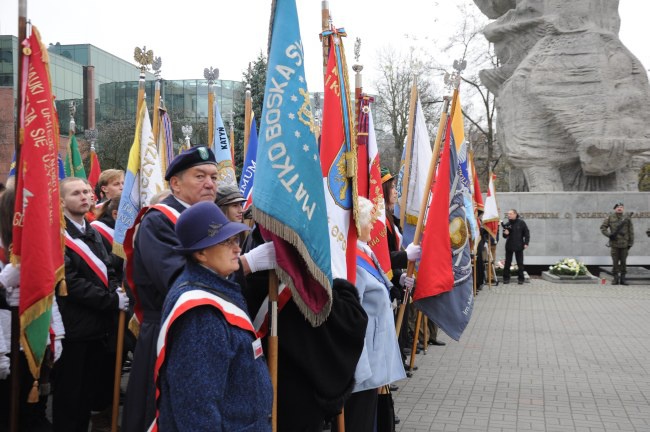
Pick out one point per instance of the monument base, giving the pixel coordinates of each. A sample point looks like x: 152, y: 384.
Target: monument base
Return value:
x: 563, y: 279
x: 634, y: 275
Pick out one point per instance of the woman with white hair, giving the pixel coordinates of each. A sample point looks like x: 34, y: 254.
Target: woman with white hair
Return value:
x: 380, y: 362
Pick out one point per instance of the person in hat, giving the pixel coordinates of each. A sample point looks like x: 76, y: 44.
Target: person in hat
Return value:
x: 211, y: 371
x: 231, y: 202
x: 620, y: 231
x: 380, y: 363
x: 192, y: 178
x: 399, y: 257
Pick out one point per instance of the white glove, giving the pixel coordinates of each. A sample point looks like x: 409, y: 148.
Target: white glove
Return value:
x: 261, y: 258
x: 10, y: 276
x: 406, y: 282
x: 413, y: 252
x: 123, y: 300
x: 5, y: 364
x: 58, y: 349
x: 13, y: 296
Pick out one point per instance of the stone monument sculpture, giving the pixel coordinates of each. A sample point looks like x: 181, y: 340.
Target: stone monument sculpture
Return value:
x: 573, y: 103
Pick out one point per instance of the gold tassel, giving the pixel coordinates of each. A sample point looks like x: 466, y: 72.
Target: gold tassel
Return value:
x: 63, y: 288
x: 33, y: 393
x: 350, y: 164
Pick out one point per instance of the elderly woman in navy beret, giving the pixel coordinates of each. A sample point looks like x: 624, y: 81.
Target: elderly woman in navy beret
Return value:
x: 211, y: 373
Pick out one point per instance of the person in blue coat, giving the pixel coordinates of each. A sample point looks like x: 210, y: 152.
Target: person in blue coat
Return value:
x: 380, y: 362
x: 211, y: 372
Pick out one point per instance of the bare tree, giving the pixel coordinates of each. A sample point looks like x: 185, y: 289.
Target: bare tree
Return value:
x: 479, y: 107
x: 397, y: 71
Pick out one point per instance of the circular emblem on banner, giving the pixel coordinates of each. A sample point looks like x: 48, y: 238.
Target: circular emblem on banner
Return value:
x: 457, y: 232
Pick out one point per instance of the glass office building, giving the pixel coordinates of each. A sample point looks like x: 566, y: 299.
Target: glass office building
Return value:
x: 116, y: 86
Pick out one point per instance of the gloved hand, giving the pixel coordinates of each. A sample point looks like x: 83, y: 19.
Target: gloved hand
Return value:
x: 58, y: 349
x: 406, y: 282
x: 261, y: 258
x: 5, y: 364
x: 395, y: 294
x: 612, y: 236
x: 10, y: 276
x: 13, y: 296
x: 413, y: 252
x: 122, y: 300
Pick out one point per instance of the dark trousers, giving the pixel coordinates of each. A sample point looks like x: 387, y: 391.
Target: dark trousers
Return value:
x: 75, y: 384
x: 519, y: 256
x: 619, y: 257
x: 32, y: 416
x: 360, y: 412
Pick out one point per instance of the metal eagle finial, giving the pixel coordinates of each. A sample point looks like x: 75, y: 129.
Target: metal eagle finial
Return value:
x: 143, y: 57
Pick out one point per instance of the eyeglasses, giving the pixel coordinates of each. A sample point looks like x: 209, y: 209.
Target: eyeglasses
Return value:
x: 231, y: 242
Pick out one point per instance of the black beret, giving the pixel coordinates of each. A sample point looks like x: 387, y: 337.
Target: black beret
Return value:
x: 618, y: 204
x: 193, y: 156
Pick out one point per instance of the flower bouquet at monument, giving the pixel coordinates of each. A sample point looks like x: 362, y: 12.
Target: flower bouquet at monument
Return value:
x: 501, y: 264
x: 569, y: 267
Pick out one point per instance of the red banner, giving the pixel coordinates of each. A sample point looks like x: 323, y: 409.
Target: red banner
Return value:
x: 37, y: 220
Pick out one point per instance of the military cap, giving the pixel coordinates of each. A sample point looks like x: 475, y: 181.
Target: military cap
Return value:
x: 229, y: 194
x: 204, y: 225
x: 618, y: 204
x: 193, y: 156
x: 385, y: 175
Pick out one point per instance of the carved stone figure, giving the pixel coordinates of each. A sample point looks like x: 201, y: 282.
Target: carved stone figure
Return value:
x: 573, y: 103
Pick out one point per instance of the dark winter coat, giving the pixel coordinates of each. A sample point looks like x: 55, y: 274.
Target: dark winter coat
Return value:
x: 90, y: 308
x: 518, y: 235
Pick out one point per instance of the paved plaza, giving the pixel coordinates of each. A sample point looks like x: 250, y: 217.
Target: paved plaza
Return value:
x: 538, y: 357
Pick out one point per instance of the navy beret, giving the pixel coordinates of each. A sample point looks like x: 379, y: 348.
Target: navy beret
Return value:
x: 193, y: 156
x: 204, y: 225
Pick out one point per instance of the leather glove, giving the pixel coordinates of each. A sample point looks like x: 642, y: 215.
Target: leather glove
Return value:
x: 13, y: 296
x: 122, y: 300
x: 406, y: 282
x: 261, y: 258
x: 413, y: 252
x: 58, y: 349
x: 10, y: 276
x: 5, y: 364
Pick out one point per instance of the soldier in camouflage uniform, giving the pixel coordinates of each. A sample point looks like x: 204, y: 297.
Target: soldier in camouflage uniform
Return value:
x: 620, y: 231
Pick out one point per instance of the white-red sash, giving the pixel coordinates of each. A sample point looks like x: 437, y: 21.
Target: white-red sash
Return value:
x: 93, y: 261
x: 189, y: 300
x: 106, y: 231
x: 262, y: 317
x: 172, y: 214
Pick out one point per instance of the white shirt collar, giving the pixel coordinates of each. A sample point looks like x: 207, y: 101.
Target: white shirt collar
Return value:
x: 183, y: 203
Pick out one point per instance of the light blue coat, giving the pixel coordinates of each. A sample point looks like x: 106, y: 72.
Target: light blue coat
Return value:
x: 380, y: 362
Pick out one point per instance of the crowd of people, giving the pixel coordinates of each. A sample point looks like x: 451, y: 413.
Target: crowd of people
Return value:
x: 196, y: 276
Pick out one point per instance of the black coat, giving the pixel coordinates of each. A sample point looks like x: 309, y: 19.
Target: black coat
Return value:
x: 90, y: 308
x: 155, y: 268
x: 518, y: 235
x: 315, y: 364
x: 116, y: 262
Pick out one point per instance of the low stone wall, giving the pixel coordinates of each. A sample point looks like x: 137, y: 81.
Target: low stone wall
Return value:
x: 567, y: 224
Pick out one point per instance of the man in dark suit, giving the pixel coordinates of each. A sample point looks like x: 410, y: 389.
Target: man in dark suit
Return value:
x: 192, y: 178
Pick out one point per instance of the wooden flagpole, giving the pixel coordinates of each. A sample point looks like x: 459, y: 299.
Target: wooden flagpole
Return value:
x: 409, y: 152
x: 15, y: 314
x: 144, y: 58
x: 210, y: 115
x: 273, y: 339
x: 156, y: 115
x: 425, y: 199
x: 325, y: 24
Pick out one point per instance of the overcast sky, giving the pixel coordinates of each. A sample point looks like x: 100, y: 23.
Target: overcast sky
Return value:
x: 193, y: 34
